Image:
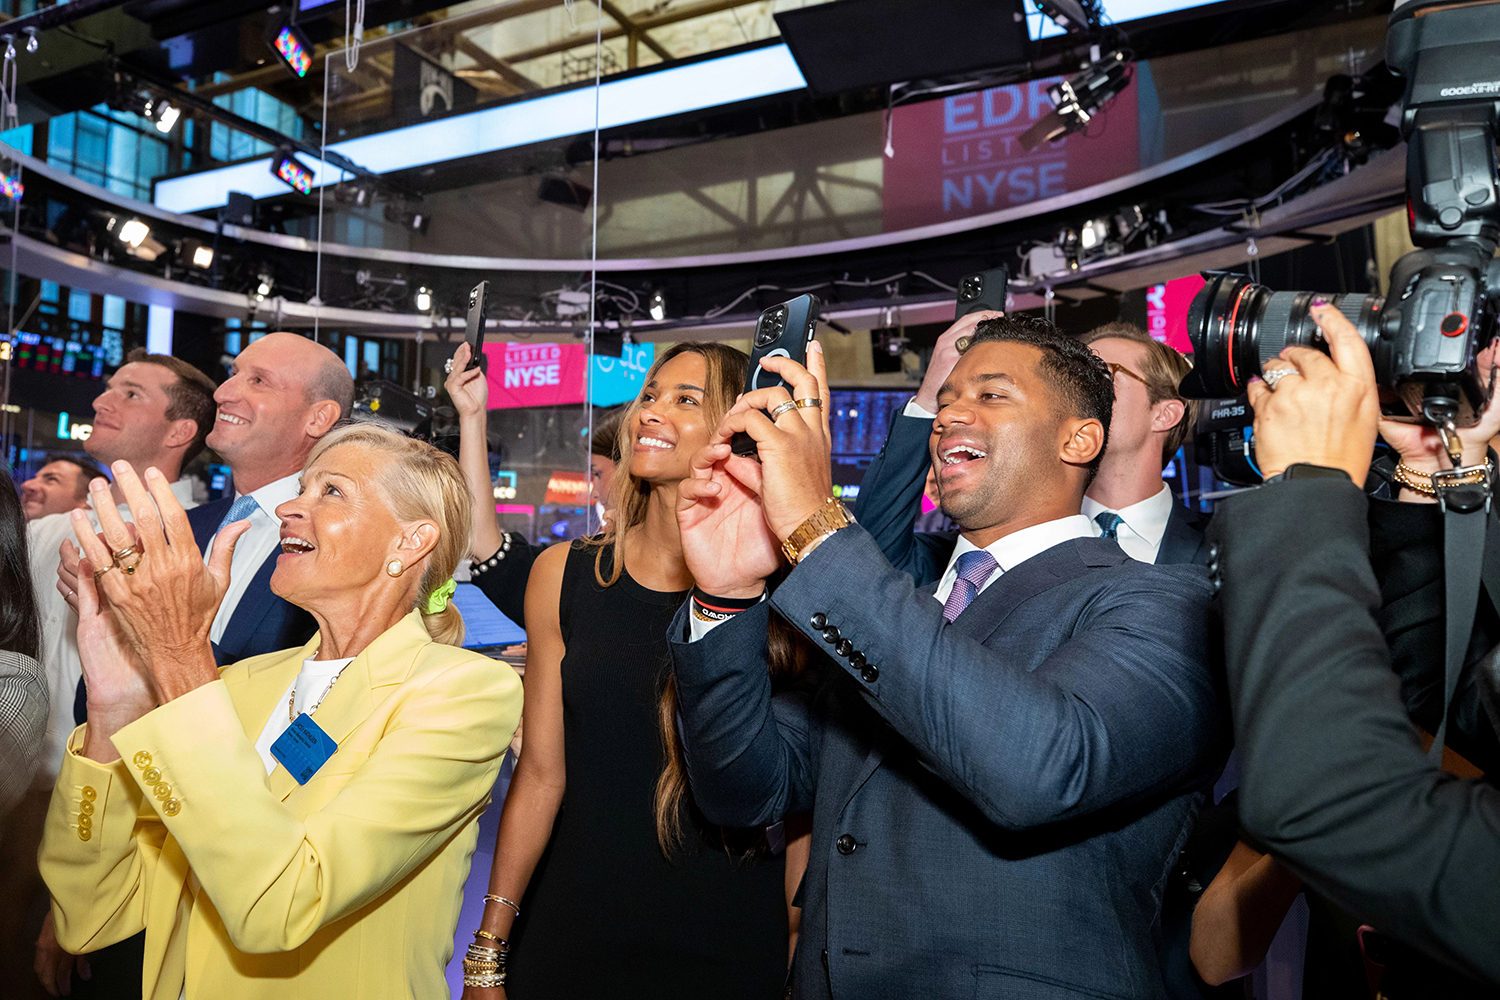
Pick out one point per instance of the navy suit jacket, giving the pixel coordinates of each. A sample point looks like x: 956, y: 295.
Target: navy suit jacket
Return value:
x: 995, y: 802
x: 890, y: 498
x: 262, y: 622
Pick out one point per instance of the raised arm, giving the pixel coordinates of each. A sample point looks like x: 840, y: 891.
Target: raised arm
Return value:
x: 1124, y: 710
x: 470, y: 394
x: 750, y: 756
x: 540, y: 778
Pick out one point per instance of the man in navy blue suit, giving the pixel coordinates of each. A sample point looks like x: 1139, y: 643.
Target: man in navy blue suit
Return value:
x: 283, y: 394
x: 1001, y: 765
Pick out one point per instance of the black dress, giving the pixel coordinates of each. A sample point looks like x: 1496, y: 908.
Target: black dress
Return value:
x: 606, y: 913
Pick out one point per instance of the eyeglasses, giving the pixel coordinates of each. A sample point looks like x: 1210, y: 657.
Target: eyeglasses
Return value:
x: 1119, y: 369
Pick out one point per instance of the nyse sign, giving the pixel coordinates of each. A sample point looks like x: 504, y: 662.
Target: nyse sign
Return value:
x: 962, y: 155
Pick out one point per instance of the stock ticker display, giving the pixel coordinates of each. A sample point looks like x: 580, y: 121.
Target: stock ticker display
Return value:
x: 858, y: 422
x: 55, y: 355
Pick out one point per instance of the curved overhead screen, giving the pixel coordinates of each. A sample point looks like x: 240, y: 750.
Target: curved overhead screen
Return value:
x: 710, y: 83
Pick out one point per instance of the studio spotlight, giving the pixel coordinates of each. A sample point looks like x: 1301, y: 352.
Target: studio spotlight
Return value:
x: 1079, y: 98
x: 166, y: 115
x: 194, y: 253
x: 291, y: 171
x: 31, y: 41
x: 424, y: 299
x: 658, y: 306
x: 413, y: 217
x: 1093, y: 233
x: 264, y: 284
x: 132, y: 232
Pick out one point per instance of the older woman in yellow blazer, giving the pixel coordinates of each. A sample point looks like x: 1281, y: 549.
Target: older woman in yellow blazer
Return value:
x: 261, y: 860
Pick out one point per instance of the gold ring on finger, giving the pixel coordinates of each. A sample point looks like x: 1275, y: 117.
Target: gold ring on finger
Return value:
x: 100, y: 572
x: 786, y: 407
x: 807, y: 401
x: 128, y: 552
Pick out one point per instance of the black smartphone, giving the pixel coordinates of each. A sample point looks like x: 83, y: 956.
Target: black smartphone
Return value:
x: 985, y: 290
x: 474, y: 333
x: 782, y: 331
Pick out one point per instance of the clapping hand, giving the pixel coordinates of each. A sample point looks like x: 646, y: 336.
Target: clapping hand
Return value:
x: 154, y: 582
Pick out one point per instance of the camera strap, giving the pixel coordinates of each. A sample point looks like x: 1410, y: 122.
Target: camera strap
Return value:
x: 1463, y: 536
x: 1466, y: 520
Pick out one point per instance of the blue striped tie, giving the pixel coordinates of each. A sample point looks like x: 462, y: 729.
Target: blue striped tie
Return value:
x: 1109, y: 524
x: 238, y: 511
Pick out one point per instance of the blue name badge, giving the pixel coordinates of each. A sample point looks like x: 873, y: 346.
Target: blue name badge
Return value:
x: 303, y: 748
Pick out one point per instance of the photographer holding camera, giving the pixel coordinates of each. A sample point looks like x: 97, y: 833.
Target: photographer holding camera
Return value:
x: 1336, y: 782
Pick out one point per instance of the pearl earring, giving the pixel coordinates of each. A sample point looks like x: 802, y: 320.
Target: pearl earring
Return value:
x: 394, y: 567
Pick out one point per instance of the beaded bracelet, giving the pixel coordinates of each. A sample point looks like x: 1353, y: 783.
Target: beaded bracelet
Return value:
x: 478, y: 568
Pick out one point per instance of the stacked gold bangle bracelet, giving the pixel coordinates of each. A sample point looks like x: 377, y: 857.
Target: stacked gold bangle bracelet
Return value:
x: 484, y: 966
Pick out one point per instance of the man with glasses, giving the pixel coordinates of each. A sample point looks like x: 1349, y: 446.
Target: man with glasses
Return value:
x: 1128, y: 499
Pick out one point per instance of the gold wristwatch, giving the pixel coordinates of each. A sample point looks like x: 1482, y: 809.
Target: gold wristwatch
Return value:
x: 824, y: 521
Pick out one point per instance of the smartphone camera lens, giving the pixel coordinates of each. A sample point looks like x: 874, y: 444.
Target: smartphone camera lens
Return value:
x: 969, y: 288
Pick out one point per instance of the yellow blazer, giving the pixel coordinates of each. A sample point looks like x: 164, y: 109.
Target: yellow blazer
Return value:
x: 249, y: 885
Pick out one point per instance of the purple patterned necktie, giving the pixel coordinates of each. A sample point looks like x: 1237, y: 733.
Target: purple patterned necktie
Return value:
x: 974, y: 568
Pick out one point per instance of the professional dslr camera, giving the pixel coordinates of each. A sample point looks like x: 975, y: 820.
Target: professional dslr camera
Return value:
x: 1441, y: 311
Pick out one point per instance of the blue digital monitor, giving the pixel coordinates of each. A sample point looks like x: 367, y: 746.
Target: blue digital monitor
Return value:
x: 484, y: 624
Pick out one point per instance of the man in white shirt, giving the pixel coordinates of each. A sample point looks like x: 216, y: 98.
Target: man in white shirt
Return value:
x: 58, y: 487
x: 1150, y: 422
x: 284, y: 393
x: 155, y: 411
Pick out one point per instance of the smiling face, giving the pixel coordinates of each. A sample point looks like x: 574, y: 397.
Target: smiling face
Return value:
x: 339, y: 533
x: 267, y: 418
x: 57, y: 488
x: 670, y: 422
x: 130, y: 416
x: 1004, y: 443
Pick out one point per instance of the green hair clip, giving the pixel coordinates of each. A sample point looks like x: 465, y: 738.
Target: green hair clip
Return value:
x: 438, y: 599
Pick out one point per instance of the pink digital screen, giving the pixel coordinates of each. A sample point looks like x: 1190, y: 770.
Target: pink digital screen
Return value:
x: 535, y: 374
x: 1167, y: 309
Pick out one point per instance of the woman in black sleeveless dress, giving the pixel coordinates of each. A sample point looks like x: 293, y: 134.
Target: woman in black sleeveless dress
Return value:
x: 612, y: 905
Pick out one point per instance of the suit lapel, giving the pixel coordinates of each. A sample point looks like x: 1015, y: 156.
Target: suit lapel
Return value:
x: 205, y: 520
x: 1041, y: 572
x: 1181, y: 542
x: 255, y: 604
x: 363, y: 685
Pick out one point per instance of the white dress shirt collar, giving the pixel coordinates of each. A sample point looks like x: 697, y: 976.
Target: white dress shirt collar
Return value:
x: 1142, y: 524
x: 274, y: 494
x: 1015, y: 548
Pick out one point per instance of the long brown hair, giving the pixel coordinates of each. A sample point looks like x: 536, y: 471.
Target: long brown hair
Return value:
x: 786, y: 660
x: 629, y: 495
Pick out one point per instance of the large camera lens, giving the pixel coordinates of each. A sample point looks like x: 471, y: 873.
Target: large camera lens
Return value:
x: 1237, y: 327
